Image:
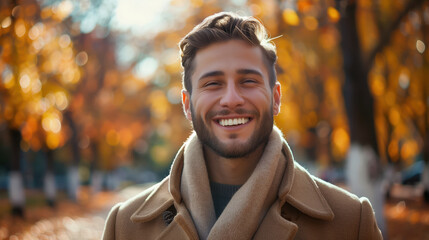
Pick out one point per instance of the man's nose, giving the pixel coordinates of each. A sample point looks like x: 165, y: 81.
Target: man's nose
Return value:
x: 232, y: 97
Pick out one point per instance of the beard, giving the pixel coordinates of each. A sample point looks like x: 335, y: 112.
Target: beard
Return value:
x: 236, y: 150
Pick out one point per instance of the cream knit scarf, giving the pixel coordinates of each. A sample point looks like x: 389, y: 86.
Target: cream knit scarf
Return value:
x: 247, y: 208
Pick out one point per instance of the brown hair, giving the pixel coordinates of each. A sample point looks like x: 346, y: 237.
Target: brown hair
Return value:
x: 221, y: 27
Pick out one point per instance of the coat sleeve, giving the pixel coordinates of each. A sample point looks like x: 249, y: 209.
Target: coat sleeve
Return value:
x: 368, y: 228
x: 109, y: 232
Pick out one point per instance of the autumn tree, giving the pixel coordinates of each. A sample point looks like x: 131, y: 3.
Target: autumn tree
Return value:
x: 38, y: 67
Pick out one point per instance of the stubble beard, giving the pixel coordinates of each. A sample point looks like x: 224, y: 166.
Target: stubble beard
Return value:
x: 236, y: 150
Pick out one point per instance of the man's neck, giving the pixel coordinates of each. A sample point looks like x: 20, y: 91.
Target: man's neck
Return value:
x: 233, y: 171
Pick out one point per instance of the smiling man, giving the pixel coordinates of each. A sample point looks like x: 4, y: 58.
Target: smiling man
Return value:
x: 235, y: 177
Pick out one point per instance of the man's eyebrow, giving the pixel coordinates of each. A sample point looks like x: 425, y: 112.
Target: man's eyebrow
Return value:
x: 249, y: 71
x: 212, y: 74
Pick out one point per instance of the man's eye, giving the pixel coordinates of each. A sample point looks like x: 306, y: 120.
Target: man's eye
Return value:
x: 249, y: 80
x: 211, y: 84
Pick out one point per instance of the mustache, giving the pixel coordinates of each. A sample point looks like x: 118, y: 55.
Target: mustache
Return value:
x: 225, y: 112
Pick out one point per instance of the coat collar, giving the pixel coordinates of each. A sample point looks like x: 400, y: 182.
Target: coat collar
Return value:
x: 298, y: 189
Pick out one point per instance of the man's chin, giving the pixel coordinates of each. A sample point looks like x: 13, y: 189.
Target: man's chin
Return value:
x: 231, y: 150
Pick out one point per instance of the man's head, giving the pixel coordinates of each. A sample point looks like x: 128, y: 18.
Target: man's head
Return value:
x: 231, y: 93
x: 222, y: 27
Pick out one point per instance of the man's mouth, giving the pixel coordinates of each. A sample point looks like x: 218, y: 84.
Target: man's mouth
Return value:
x: 233, y: 121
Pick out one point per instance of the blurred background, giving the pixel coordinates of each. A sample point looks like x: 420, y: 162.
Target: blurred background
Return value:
x: 90, y: 105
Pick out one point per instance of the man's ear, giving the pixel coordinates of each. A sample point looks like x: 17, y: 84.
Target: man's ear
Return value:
x: 186, y: 102
x: 277, y: 95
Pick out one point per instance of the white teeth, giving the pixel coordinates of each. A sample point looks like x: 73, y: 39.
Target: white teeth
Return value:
x: 233, y: 122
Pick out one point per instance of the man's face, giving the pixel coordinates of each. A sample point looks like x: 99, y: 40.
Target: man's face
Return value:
x: 232, y: 104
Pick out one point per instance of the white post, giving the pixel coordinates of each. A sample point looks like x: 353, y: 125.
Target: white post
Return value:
x: 16, y: 190
x: 361, y: 160
x: 73, y: 182
x: 96, y: 181
x: 50, y: 187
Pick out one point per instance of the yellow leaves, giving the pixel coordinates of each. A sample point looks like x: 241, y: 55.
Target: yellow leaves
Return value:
x: 377, y: 84
x: 311, y: 23
x: 311, y: 119
x: 304, y: 5
x: 8, y: 80
x: 126, y: 137
x: 255, y: 9
x: 328, y: 39
x: 61, y: 100
x: 81, y: 58
x: 161, y: 154
x: 159, y: 104
x: 394, y: 116
x: 51, y: 122
x: 333, y: 88
x: 20, y: 28
x: 53, y: 140
x: 403, y: 147
x: 122, y: 136
x: 341, y: 141
x: 197, y: 3
x: 64, y: 41
x: 112, y: 138
x: 62, y: 10
x: 393, y: 150
x: 419, y: 107
x: 367, y: 30
x: 6, y: 22
x: 409, y: 150
x: 333, y: 14
x: 24, y: 82
x: 29, y: 131
x: 290, y: 17
x: 36, y: 31
x: 420, y: 46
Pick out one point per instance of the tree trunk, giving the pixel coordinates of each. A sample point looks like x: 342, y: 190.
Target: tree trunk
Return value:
x: 16, y: 180
x: 73, y: 178
x: 362, y: 163
x: 49, y: 185
x: 96, y: 174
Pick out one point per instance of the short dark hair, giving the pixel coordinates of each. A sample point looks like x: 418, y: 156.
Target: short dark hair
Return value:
x: 222, y: 27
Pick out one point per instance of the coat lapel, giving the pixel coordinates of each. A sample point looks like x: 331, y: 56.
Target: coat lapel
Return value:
x: 156, y: 204
x: 305, y: 195
x: 274, y: 226
x: 299, y: 190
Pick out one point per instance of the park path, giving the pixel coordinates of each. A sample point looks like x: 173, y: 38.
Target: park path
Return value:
x: 82, y: 220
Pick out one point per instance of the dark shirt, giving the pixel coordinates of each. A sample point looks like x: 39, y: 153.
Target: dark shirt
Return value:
x: 221, y: 195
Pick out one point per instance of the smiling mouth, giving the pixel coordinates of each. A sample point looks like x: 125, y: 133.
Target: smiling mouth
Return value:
x: 233, y: 121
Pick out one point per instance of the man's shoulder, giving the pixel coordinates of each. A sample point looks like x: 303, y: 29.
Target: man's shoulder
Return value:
x: 130, y: 206
x: 144, y: 206
x: 342, y: 203
x: 345, y: 205
x: 345, y: 215
x: 331, y: 191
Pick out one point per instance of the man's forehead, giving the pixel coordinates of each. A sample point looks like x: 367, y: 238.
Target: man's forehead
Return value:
x: 234, y: 55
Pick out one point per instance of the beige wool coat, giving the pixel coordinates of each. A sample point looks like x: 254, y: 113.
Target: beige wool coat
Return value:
x: 306, y: 208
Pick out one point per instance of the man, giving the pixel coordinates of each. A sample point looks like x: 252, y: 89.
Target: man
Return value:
x: 235, y: 177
